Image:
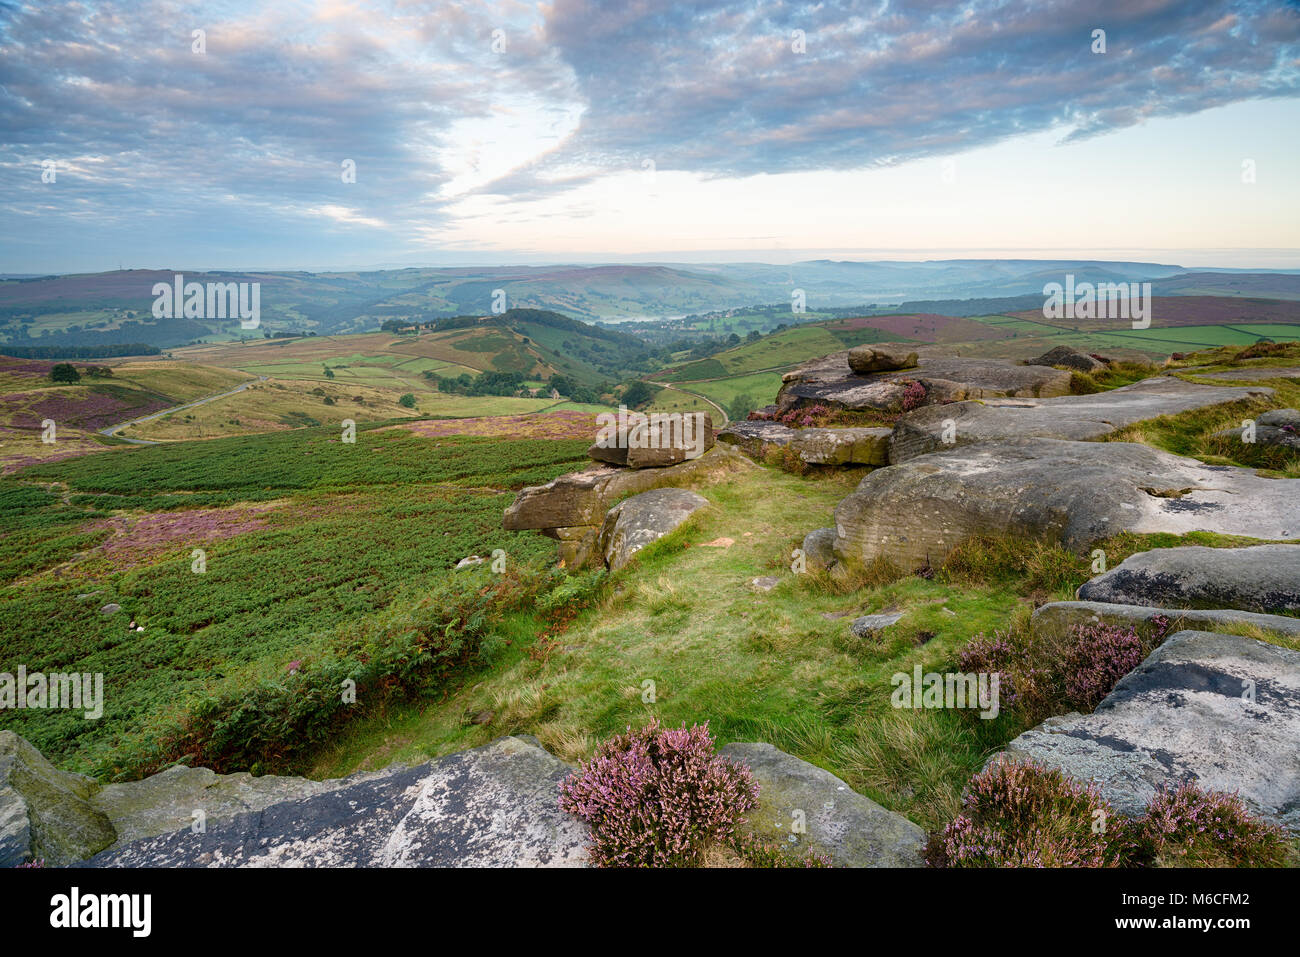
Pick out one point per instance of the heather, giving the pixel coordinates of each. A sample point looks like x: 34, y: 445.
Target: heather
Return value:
x: 1025, y: 814
x: 88, y: 408
x: 658, y: 797
x: 550, y: 425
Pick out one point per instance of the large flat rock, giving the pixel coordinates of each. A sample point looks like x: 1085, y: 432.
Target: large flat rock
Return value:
x: 1074, y: 493
x: 1079, y: 417
x: 830, y: 381
x: 494, y: 806
x: 1182, y: 715
x: 857, y: 445
x: 1262, y: 578
x: 852, y: 829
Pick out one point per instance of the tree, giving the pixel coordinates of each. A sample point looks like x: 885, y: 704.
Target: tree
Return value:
x: 637, y: 395
x: 329, y: 373
x: 65, y: 372
x: 407, y: 401
x: 740, y: 406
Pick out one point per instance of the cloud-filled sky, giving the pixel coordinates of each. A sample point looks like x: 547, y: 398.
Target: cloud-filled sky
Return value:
x: 578, y: 130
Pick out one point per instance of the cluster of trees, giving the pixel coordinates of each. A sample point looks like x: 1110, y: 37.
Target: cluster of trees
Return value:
x: 80, y: 352
x: 486, y: 383
x: 67, y: 372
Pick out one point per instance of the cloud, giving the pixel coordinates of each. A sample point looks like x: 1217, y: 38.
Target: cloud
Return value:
x: 438, y: 102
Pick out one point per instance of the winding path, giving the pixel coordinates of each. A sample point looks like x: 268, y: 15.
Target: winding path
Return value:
x: 112, y: 430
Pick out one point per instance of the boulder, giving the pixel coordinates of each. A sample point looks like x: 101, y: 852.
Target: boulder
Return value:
x: 166, y: 801
x: 1183, y: 715
x: 577, y: 546
x: 854, y: 446
x: 583, y: 498
x: 1070, y: 358
x: 819, y: 548
x: 852, y: 829
x: 1247, y: 373
x: 635, y: 522
x: 872, y: 626
x: 882, y: 357
x: 1278, y: 427
x: 656, y: 440
x: 1056, y: 618
x: 494, y: 806
x: 1080, y: 417
x: 1072, y: 493
x: 828, y: 381
x: 816, y: 446
x: 1262, y: 578
x: 46, y: 814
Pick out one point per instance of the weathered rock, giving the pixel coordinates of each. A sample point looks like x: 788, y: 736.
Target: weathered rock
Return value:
x: 872, y: 626
x: 1073, y: 493
x: 816, y: 446
x: 577, y: 544
x: 1056, y: 618
x: 583, y: 498
x: 764, y: 582
x: 635, y: 522
x: 1070, y: 358
x: 1278, y: 427
x: 112, y: 608
x: 1182, y: 715
x: 819, y: 548
x: 881, y: 357
x: 494, y: 806
x: 828, y: 381
x: 854, y: 446
x: 755, y: 435
x: 46, y: 814
x: 852, y: 829
x: 1263, y: 578
x: 166, y: 801
x: 1081, y: 417
x: 656, y: 440
x: 1247, y: 373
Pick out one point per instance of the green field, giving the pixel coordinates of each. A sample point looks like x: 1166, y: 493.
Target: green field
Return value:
x: 303, y: 534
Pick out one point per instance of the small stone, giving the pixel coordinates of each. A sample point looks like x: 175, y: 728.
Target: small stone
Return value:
x: 764, y: 582
x: 483, y: 717
x: 112, y: 608
x: 870, y: 626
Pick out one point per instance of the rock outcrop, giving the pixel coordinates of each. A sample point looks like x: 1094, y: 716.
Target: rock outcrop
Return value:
x: 655, y: 440
x: 837, y: 821
x: 1070, y: 358
x: 816, y: 446
x: 1260, y: 578
x: 635, y: 522
x: 1278, y: 427
x: 1221, y: 711
x: 572, y: 508
x: 881, y: 357
x: 1074, y: 493
x: 494, y: 806
x: 829, y: 381
x: 46, y: 814
x: 1083, y: 417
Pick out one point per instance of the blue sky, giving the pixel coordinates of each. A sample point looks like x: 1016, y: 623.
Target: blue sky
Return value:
x: 578, y: 131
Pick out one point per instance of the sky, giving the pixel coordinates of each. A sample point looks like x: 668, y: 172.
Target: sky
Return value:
x: 161, y: 134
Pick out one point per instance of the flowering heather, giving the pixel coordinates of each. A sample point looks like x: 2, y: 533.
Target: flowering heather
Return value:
x: 813, y: 415
x: 998, y: 655
x: 913, y: 395
x: 552, y: 425
x: 1097, y: 657
x: 1188, y: 827
x: 154, y: 533
x: 90, y: 408
x: 658, y: 797
x: 1024, y: 814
